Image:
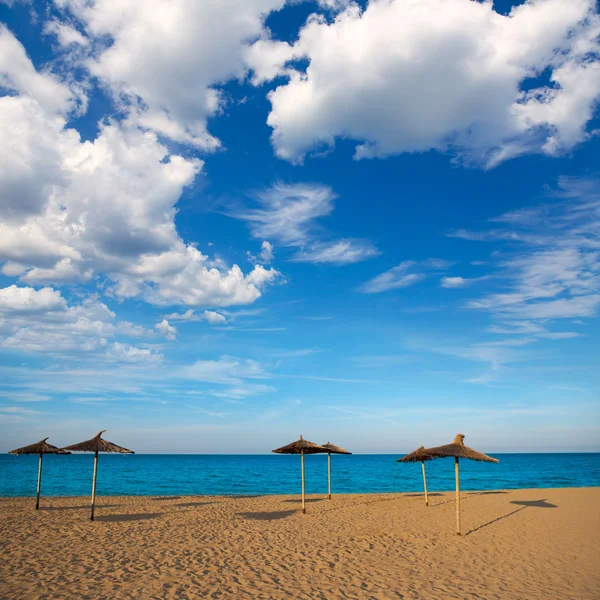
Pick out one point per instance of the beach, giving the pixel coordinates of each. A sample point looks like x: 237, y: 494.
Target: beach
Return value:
x: 529, y: 544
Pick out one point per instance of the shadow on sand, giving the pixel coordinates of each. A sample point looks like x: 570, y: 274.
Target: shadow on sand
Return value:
x: 299, y: 500
x: 193, y: 503
x: 128, y: 517
x: 268, y: 516
x: 166, y: 498
x: 523, y: 504
x: 87, y: 506
x: 240, y: 496
x: 422, y: 495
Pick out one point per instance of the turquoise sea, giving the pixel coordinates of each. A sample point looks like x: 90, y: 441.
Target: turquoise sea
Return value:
x: 170, y: 474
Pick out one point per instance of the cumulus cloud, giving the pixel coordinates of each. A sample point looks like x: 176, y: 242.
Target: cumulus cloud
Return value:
x: 289, y: 213
x: 403, y: 275
x: 214, y: 318
x: 42, y: 321
x: 175, y: 92
x: 166, y: 330
x: 452, y: 75
x: 72, y: 210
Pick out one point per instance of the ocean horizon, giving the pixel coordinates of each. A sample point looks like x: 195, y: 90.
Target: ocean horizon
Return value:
x: 269, y: 474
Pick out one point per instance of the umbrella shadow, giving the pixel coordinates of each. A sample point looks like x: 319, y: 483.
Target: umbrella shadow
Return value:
x: 87, y: 506
x: 297, y: 500
x: 127, y: 517
x: 242, y: 496
x: 534, y: 503
x: 166, y: 498
x: 193, y: 503
x: 422, y: 495
x: 268, y: 516
x: 487, y: 493
x: 523, y: 504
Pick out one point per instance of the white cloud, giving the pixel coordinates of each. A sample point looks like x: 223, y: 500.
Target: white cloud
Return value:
x: 214, y: 318
x: 555, y: 270
x: 401, y: 276
x: 73, y: 210
x: 337, y: 252
x: 42, y: 321
x: 166, y: 330
x: 27, y: 301
x: 19, y: 75
x: 210, y: 316
x: 66, y: 34
x: 227, y: 370
x: 453, y: 282
x: 288, y: 213
x: 459, y: 282
x: 408, y: 76
x: 266, y: 252
x: 126, y: 353
x: 174, y: 92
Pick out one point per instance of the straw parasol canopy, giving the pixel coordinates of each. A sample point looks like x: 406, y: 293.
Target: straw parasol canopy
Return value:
x: 332, y: 449
x: 96, y: 445
x: 419, y: 455
x: 301, y: 447
x: 41, y: 448
x: 458, y: 450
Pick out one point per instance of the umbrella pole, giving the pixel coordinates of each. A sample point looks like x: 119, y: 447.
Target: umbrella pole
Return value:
x: 425, y: 483
x: 329, y: 474
x: 94, y: 485
x: 39, y: 485
x: 456, y: 468
x: 302, y: 460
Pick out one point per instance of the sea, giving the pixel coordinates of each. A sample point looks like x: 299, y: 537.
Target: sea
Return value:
x: 193, y: 474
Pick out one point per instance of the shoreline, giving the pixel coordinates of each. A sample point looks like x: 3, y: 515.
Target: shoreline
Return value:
x: 529, y: 544
x: 316, y: 495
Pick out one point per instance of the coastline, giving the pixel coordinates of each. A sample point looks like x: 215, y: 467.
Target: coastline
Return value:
x: 410, y: 493
x: 529, y: 543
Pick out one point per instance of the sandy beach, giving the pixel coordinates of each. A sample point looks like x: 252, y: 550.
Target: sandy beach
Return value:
x: 529, y: 544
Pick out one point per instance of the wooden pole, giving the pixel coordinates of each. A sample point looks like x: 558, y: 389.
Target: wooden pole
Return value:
x: 329, y: 474
x: 94, y: 485
x: 302, y: 458
x: 425, y: 483
x: 457, y: 495
x: 39, y: 485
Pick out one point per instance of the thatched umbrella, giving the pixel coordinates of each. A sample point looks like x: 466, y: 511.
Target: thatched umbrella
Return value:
x: 301, y: 447
x: 97, y: 444
x: 458, y: 450
x: 419, y: 455
x: 40, y: 448
x: 332, y: 449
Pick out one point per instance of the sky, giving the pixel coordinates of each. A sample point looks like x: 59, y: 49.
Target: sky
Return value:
x: 226, y: 224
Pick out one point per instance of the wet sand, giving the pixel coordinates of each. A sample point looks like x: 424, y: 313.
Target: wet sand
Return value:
x: 529, y: 544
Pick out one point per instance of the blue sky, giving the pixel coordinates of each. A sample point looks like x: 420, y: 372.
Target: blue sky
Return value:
x: 223, y: 226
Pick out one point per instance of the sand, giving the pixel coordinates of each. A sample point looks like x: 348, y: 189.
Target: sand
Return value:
x: 528, y: 544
